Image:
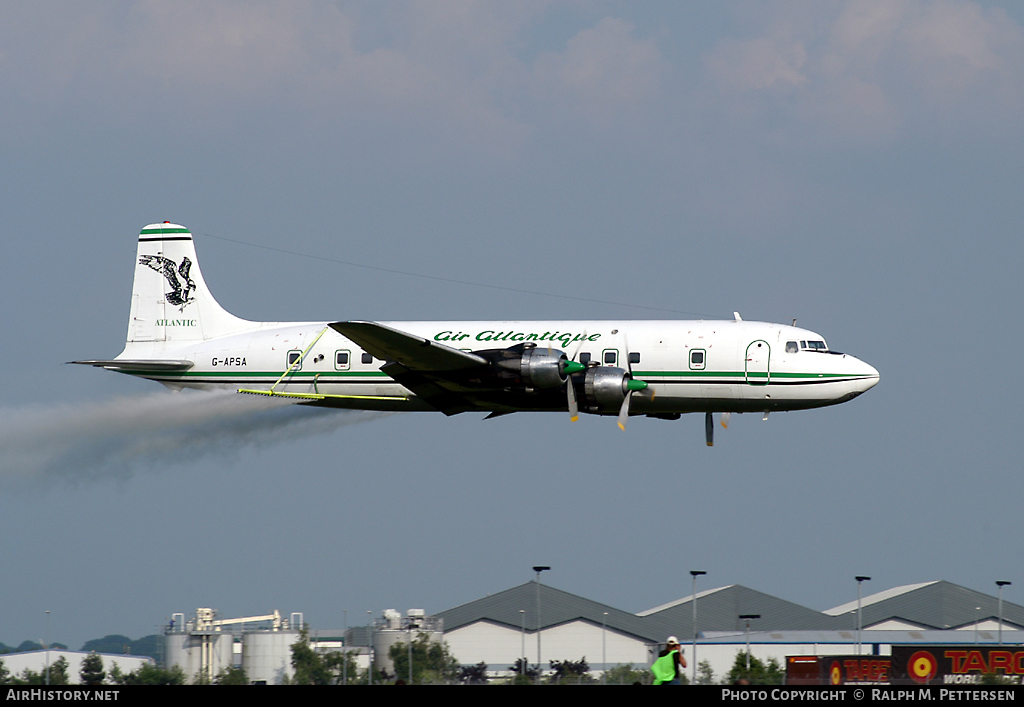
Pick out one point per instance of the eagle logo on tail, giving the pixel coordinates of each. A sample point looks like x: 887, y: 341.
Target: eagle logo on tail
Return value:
x: 182, y: 286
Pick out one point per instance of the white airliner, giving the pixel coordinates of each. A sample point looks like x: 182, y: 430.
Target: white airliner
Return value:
x: 179, y: 335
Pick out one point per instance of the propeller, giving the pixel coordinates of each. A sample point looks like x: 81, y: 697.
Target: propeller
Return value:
x: 632, y: 386
x: 709, y: 426
x: 567, y: 369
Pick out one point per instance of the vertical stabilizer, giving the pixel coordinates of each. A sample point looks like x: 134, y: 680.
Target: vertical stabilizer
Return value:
x: 170, y: 301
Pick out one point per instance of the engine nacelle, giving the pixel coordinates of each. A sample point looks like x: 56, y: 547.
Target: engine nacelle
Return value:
x: 604, y: 388
x: 536, y: 367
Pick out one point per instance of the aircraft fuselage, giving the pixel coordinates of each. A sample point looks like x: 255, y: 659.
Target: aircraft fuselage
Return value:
x: 690, y: 366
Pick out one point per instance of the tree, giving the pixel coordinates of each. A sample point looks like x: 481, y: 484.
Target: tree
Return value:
x: 149, y: 674
x: 570, y: 671
x: 526, y: 674
x: 116, y: 644
x: 57, y: 670
x: 335, y: 662
x: 473, y: 674
x: 331, y: 668
x: 91, y: 672
x: 626, y: 674
x: 431, y: 661
x: 231, y: 676
x: 5, y: 674
x: 308, y: 665
x: 760, y: 673
x: 705, y: 675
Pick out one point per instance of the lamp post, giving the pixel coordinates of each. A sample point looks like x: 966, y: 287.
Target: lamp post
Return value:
x: 344, y: 649
x: 538, y: 569
x: 695, y: 574
x: 859, y: 579
x: 1000, y: 584
x: 410, y: 653
x: 604, y: 648
x: 47, y: 647
x: 522, y: 641
x: 369, y: 626
x: 748, y: 617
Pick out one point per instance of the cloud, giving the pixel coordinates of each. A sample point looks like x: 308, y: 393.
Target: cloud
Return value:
x: 775, y: 61
x: 445, y: 79
x: 602, y: 67
x: 874, y: 69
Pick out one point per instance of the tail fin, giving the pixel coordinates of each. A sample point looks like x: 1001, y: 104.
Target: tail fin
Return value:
x: 170, y: 301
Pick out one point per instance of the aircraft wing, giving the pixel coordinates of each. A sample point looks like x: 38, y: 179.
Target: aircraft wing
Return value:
x: 413, y: 352
x: 433, y: 371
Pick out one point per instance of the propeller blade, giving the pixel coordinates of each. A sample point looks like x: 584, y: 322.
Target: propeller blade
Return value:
x: 709, y: 429
x: 624, y: 410
x: 579, y: 346
x: 574, y: 411
x: 725, y: 419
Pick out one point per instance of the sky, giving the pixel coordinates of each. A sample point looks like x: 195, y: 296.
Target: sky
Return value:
x: 853, y: 165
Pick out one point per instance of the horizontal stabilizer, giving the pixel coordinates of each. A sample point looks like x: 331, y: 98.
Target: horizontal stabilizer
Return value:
x: 137, y: 365
x: 413, y: 352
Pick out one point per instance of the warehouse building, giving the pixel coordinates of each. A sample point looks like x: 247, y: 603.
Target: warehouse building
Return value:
x: 500, y: 628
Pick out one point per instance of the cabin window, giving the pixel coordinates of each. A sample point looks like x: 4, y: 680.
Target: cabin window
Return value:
x: 341, y: 359
x: 610, y: 357
x: 697, y: 359
x: 634, y: 357
x: 585, y: 357
x: 295, y: 360
x: 791, y: 347
x: 367, y: 358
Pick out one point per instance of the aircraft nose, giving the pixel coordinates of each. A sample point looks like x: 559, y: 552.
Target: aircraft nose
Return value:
x: 870, y: 374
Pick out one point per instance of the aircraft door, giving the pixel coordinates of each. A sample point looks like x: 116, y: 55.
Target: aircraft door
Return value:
x: 757, y: 365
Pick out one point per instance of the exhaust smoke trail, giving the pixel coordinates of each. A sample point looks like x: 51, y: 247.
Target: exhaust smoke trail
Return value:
x: 76, y: 442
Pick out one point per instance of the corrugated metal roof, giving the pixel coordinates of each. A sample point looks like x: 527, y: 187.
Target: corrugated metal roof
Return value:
x: 556, y: 608
x: 720, y: 609
x: 940, y: 605
x: 874, y: 598
x: 950, y: 637
x: 930, y: 605
x: 679, y: 602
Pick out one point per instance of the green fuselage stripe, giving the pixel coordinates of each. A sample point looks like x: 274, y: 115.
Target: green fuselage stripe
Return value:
x: 737, y: 374
x: 650, y: 376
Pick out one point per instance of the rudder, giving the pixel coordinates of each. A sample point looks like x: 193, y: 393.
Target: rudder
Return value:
x: 170, y: 300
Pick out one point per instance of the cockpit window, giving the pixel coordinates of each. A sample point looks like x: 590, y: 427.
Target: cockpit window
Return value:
x: 817, y: 346
x: 791, y: 347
